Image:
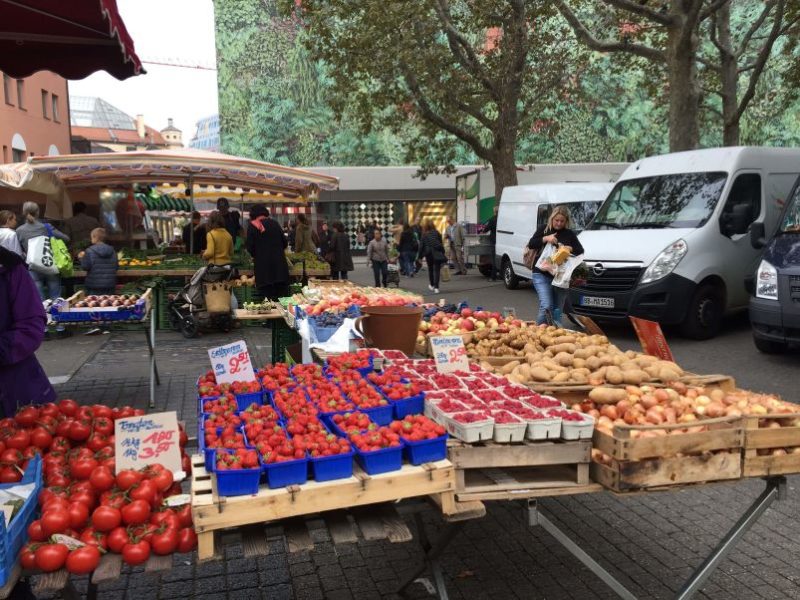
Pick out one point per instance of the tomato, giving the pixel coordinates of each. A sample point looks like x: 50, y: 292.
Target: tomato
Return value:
x: 27, y: 556
x: 136, y: 512
x: 78, y: 513
x: 68, y: 407
x: 27, y: 416
x: 163, y: 480
x: 97, y: 442
x: 128, y: 478
x: 58, y: 480
x: 20, y: 440
x: 101, y: 411
x: 85, y: 413
x: 187, y: 540
x: 102, y: 479
x: 62, y: 429
x: 105, y: 452
x: 55, y: 520
x: 83, y: 560
x: 112, y: 499
x: 60, y: 444
x: 166, y: 517
x: 174, y: 490
x: 184, y: 515
x: 35, y: 532
x: 79, y: 431
x: 82, y: 469
x: 55, y: 503
x: 186, y: 465
x: 49, y: 411
x: 106, y: 518
x: 165, y: 541
x: 103, y: 425
x: 51, y: 557
x: 10, y: 475
x: 145, y: 490
x: 93, y: 537
x: 41, y: 438
x: 30, y: 452
x: 136, y: 553
x: 117, y: 538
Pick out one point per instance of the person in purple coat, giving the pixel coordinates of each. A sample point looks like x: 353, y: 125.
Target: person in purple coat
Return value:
x: 22, y: 325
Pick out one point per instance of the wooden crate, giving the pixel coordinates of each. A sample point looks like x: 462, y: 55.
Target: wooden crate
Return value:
x: 759, y: 437
x: 678, y: 459
x: 489, y: 471
x: 212, y: 512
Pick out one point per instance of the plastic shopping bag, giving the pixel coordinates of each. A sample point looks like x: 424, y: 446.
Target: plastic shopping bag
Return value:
x: 563, y: 275
x: 40, y: 256
x: 544, y: 263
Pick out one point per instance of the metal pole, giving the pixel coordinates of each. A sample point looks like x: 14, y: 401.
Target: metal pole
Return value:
x: 152, y: 345
x: 775, y: 490
x: 191, y: 205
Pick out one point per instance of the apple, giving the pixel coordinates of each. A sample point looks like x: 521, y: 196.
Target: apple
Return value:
x: 492, y: 323
x: 466, y: 312
x: 467, y: 325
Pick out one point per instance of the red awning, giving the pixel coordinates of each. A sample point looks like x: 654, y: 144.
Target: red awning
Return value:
x: 73, y: 38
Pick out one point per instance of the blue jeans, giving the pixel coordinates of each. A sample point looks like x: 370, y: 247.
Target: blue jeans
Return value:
x: 49, y: 286
x: 407, y: 262
x: 550, y: 298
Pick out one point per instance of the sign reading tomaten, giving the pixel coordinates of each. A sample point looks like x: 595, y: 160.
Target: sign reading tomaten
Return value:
x: 148, y: 439
x: 231, y: 362
x: 652, y: 338
x: 449, y: 353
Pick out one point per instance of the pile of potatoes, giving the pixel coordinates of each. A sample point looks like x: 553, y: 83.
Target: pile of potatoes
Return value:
x: 553, y: 355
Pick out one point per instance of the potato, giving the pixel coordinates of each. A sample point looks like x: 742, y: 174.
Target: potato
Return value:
x: 559, y: 348
x: 635, y: 377
x: 630, y: 365
x: 564, y: 359
x: 667, y: 375
x: 540, y: 374
x: 579, y: 376
x: 508, y: 367
x: 614, y: 375
x: 553, y: 366
x: 561, y: 377
x: 487, y: 366
x: 564, y: 339
x: 606, y: 395
x: 523, y: 371
x: 594, y: 363
x: 578, y: 363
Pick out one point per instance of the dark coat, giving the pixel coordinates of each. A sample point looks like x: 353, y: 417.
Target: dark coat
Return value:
x: 431, y: 246
x: 22, y: 324
x: 325, y: 241
x: 267, y: 249
x: 100, y: 263
x: 566, y: 237
x: 199, y: 237
x: 341, y: 248
x: 408, y: 243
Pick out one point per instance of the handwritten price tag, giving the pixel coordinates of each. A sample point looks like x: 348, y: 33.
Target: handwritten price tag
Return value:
x: 449, y: 353
x: 231, y: 363
x: 149, y: 439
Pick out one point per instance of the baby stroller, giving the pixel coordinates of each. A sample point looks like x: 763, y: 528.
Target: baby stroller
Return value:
x: 393, y: 273
x: 205, y: 301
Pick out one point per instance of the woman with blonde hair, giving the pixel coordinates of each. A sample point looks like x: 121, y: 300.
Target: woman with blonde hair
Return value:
x: 555, y: 231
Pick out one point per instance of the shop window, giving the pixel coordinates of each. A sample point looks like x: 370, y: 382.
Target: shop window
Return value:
x: 7, y: 89
x: 17, y: 155
x: 56, y: 112
x: 21, y: 94
x: 44, y: 104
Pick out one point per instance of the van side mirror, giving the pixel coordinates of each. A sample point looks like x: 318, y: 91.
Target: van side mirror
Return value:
x: 757, y: 234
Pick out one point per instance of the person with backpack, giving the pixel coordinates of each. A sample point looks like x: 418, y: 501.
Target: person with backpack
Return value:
x: 49, y: 284
x: 432, y: 250
x: 267, y: 243
x: 407, y: 247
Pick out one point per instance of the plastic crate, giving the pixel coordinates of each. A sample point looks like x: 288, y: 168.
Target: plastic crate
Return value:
x: 415, y: 405
x: 239, y: 482
x: 577, y: 430
x: 291, y: 472
x: 381, y: 461
x: 328, y: 468
x: 425, y: 451
x: 382, y: 415
x: 15, y: 535
x: 245, y: 400
x: 208, y: 453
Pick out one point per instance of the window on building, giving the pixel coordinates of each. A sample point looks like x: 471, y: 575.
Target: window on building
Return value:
x: 17, y: 155
x: 7, y: 87
x: 45, y: 103
x: 21, y: 94
x: 56, y: 112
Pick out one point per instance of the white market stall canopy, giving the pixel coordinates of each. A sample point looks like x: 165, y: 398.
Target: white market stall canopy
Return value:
x: 21, y: 177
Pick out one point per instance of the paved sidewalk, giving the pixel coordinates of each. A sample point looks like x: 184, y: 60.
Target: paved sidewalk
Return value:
x: 651, y: 542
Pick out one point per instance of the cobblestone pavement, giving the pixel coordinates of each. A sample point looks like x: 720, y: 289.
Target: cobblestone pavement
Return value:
x: 650, y: 542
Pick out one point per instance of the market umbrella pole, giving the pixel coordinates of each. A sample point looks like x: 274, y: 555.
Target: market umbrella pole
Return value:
x: 191, y: 203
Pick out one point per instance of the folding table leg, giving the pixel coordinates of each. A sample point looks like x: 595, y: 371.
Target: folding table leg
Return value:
x: 432, y: 553
x: 150, y: 335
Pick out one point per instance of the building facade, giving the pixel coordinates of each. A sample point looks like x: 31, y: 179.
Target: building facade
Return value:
x: 97, y: 126
x: 172, y: 135
x: 206, y: 135
x: 34, y: 117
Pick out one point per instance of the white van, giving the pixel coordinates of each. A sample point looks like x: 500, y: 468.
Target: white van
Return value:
x: 670, y: 242
x: 523, y: 208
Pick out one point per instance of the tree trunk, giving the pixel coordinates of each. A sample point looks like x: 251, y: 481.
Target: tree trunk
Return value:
x: 729, y: 76
x: 504, y: 168
x: 684, y: 92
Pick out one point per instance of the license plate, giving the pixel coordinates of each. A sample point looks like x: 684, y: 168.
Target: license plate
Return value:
x: 597, y: 301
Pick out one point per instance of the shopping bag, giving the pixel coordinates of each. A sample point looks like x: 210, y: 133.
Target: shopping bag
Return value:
x: 563, y: 274
x: 529, y: 257
x: 62, y: 257
x: 445, y: 273
x: 544, y: 263
x: 40, y: 255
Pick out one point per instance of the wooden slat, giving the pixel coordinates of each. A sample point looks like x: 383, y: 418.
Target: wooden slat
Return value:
x: 156, y: 563
x: 206, y: 545
x: 466, y: 497
x: 519, y: 480
x: 396, y: 529
x: 297, y: 536
x: 108, y: 569
x: 370, y: 523
x: 528, y: 454
x: 50, y: 582
x: 254, y: 541
x: 340, y: 528
x: 454, y: 512
x: 669, y: 445
x: 764, y: 466
x: 784, y: 437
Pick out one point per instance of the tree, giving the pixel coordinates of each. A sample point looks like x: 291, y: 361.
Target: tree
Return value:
x: 743, y: 53
x: 478, y: 72
x: 671, y: 41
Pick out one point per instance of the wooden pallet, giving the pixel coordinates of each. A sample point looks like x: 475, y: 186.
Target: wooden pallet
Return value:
x: 678, y: 459
x: 490, y: 471
x: 758, y: 436
x: 213, y: 513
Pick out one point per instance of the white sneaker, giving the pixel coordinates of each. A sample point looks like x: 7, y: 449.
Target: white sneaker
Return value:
x: 430, y: 287
x: 435, y: 290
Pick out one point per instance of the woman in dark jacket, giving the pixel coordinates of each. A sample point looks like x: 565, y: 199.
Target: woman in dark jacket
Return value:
x: 555, y: 231
x: 408, y: 250
x: 343, y: 260
x: 266, y: 243
x: 431, y: 248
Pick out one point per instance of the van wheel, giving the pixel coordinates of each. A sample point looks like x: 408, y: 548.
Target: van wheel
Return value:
x: 769, y: 346
x: 511, y: 280
x: 704, y: 317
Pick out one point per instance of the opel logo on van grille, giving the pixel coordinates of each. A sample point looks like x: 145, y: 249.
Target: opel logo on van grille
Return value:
x: 598, y: 269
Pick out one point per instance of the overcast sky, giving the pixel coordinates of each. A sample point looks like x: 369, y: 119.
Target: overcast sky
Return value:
x: 171, y: 31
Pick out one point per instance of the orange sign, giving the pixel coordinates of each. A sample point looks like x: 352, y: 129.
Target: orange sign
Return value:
x: 652, y: 338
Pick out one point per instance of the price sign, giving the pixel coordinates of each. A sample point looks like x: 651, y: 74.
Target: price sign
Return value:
x: 652, y: 338
x: 146, y: 440
x: 231, y: 363
x: 449, y: 353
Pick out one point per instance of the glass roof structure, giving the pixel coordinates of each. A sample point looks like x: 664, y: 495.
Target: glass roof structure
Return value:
x: 85, y: 111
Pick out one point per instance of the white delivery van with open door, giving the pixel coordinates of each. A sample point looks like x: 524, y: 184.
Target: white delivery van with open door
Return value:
x: 523, y: 208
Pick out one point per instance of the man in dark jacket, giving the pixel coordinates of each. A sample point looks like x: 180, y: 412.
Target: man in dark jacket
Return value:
x: 232, y: 218
x: 491, y: 229
x: 267, y: 245
x: 100, y: 262
x: 194, y: 229
x: 22, y: 325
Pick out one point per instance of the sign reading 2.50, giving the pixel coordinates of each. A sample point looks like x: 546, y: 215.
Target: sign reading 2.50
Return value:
x: 231, y: 363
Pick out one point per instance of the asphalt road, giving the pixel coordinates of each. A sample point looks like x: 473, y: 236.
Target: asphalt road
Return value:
x: 731, y: 353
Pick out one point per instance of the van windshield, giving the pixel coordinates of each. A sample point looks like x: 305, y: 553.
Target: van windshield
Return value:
x: 580, y: 213
x: 791, y: 222
x: 681, y: 200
